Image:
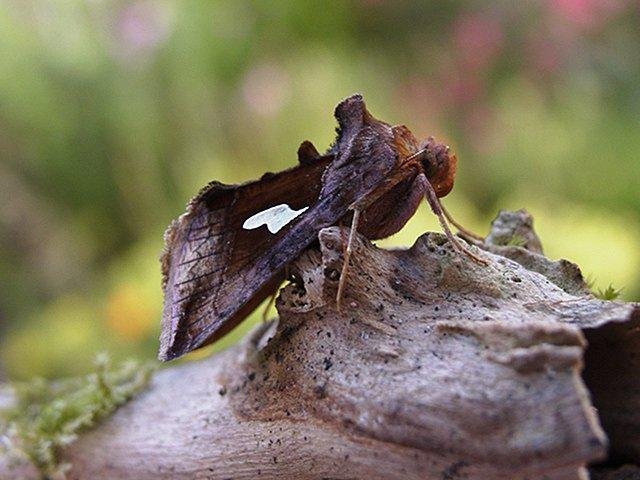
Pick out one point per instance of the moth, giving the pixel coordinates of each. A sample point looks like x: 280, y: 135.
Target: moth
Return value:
x: 229, y: 251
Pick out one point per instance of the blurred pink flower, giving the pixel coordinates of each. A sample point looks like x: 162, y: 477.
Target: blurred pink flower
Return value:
x: 587, y: 14
x: 265, y: 89
x: 478, y: 39
x: 140, y: 27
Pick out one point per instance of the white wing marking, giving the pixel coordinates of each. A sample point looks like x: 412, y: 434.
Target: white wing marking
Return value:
x: 275, y: 218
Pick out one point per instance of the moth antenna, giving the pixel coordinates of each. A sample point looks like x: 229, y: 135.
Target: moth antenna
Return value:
x: 436, y: 208
x: 347, y: 257
x: 460, y: 228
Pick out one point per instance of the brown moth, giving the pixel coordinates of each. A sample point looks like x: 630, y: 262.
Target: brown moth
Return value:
x: 228, y: 252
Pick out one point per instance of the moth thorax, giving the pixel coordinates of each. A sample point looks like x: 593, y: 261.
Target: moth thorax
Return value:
x: 439, y: 164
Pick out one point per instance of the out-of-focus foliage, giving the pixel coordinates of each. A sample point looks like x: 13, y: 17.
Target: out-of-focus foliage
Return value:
x: 113, y: 113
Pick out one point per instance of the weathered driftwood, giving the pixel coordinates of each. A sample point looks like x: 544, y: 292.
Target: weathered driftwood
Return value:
x: 437, y: 368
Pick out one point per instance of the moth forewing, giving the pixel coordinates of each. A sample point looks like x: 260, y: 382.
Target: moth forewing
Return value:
x: 208, y: 255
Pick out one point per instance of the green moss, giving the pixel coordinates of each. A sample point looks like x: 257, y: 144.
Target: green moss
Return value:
x: 609, y: 293
x: 49, y: 415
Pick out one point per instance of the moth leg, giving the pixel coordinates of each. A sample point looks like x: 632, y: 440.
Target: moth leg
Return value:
x: 436, y: 208
x: 460, y: 228
x: 346, y: 257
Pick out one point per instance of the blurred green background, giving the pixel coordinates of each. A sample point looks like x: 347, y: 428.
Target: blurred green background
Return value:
x: 114, y: 113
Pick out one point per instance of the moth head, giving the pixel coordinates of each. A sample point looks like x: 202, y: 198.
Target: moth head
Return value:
x: 439, y: 164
